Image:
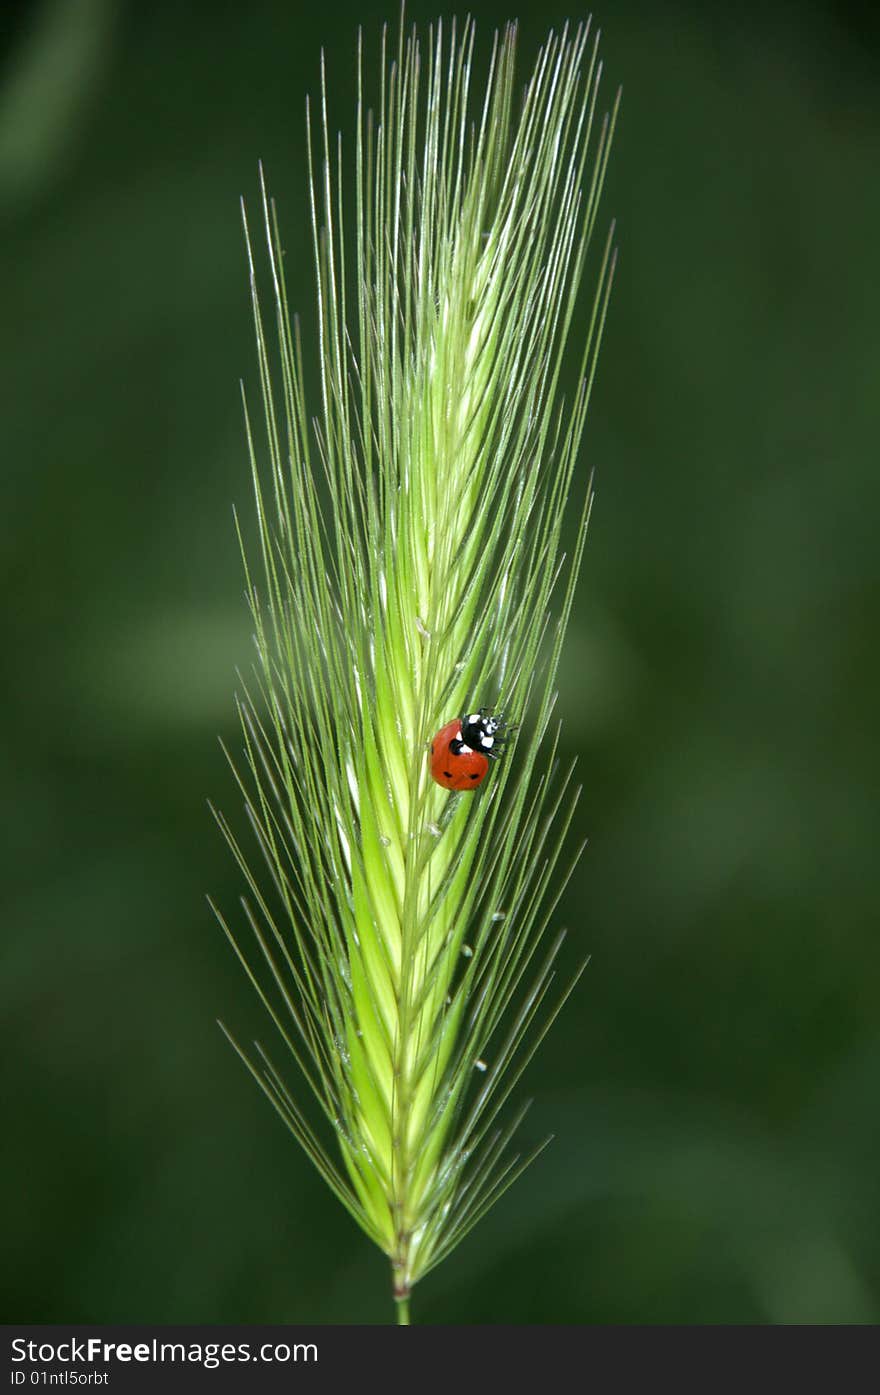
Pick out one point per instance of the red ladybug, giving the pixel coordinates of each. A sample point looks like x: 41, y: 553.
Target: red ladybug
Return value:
x: 461, y: 751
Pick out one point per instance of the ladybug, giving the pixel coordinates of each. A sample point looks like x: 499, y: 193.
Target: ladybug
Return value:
x: 461, y: 751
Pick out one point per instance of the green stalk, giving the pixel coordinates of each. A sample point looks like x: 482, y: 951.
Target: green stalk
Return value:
x: 408, y: 569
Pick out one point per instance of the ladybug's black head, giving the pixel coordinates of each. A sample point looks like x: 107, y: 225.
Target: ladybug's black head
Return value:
x: 482, y: 732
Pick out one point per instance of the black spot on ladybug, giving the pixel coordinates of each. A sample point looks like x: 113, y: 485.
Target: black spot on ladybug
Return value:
x: 448, y: 774
x: 432, y: 748
x: 475, y: 777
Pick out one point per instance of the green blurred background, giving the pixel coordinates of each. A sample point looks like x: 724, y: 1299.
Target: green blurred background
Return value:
x: 714, y: 1083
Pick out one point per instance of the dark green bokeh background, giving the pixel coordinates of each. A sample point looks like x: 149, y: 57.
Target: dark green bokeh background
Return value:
x: 714, y: 1083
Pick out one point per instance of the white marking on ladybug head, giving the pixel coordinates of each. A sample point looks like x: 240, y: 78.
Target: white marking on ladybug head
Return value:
x: 466, y: 750
x: 473, y: 719
x: 487, y: 742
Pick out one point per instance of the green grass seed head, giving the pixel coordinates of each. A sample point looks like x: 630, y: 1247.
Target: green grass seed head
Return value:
x: 409, y: 570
